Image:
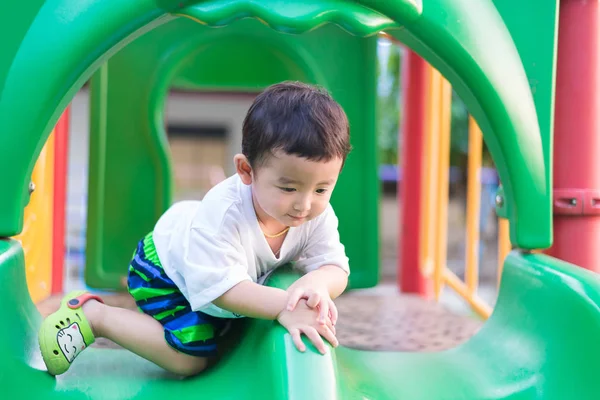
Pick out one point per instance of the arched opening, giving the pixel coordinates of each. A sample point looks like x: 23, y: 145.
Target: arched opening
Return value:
x: 246, y: 56
x: 444, y: 40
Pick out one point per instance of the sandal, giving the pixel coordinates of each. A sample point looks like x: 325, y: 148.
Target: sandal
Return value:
x: 65, y: 333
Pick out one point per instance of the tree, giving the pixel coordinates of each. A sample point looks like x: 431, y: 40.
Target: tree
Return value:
x: 388, y: 100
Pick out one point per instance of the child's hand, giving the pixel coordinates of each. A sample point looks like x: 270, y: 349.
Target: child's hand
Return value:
x: 303, y: 321
x: 316, y: 296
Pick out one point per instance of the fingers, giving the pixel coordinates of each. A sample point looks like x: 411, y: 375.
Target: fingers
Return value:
x: 294, y: 298
x: 316, y: 339
x: 328, y: 334
x: 315, y: 336
x: 324, y: 312
x: 331, y: 326
x: 295, y: 333
x: 313, y: 300
x: 333, y: 312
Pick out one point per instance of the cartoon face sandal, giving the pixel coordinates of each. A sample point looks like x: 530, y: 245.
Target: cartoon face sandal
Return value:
x: 64, y: 334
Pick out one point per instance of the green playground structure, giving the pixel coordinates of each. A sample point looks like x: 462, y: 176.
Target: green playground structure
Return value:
x: 129, y: 91
x: 541, y: 341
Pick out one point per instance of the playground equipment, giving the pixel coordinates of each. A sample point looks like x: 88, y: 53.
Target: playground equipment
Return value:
x: 424, y: 192
x: 547, y: 311
x: 576, y: 178
x: 422, y: 269
x: 128, y: 95
x: 42, y: 236
x: 575, y: 192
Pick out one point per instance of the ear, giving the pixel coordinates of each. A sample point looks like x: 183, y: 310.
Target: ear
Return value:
x: 243, y: 168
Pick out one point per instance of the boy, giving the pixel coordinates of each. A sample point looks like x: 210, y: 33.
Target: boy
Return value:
x: 204, y: 262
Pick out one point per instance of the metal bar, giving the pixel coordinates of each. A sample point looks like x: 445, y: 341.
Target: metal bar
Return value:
x: 429, y: 224
x: 504, y: 245
x: 414, y: 83
x: 443, y: 102
x: 576, y: 138
x: 60, y: 198
x: 473, y: 207
x: 476, y: 303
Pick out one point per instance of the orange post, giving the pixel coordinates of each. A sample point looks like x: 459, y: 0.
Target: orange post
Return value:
x: 441, y: 102
x: 36, y: 236
x: 429, y: 189
x: 473, y: 206
x: 504, y: 245
x: 476, y: 303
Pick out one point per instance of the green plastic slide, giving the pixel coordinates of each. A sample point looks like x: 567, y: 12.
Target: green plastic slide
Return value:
x: 541, y: 342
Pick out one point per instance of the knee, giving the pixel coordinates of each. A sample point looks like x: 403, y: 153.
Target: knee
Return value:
x: 189, y: 366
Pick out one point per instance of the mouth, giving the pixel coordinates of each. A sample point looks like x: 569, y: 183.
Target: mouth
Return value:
x: 300, y: 218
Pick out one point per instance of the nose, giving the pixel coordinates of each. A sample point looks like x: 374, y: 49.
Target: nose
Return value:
x: 302, y: 204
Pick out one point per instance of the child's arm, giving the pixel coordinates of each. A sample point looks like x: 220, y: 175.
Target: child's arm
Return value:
x: 257, y: 301
x: 253, y: 300
x: 331, y: 277
x: 319, y: 287
x: 326, y: 268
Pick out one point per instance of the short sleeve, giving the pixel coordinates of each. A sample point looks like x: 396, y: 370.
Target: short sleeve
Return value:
x: 323, y: 245
x: 211, y: 265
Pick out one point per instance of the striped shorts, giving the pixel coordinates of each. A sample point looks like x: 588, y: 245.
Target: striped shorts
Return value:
x: 187, y: 331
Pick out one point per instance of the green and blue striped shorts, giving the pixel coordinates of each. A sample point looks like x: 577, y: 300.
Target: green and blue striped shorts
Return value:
x: 187, y: 331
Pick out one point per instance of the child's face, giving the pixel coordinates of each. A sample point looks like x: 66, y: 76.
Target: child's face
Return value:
x: 294, y: 190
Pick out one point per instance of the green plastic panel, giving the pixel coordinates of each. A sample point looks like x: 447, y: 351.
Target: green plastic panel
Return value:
x: 296, y: 18
x: 470, y: 44
x: 533, y: 25
x: 130, y: 167
x: 66, y: 41
x: 541, y: 342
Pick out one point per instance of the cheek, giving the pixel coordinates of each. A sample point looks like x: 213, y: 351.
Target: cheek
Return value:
x: 272, y: 200
x: 264, y: 200
x: 319, y: 205
x: 282, y: 202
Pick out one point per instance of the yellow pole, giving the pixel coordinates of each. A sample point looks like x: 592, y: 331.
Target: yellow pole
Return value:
x: 36, y: 236
x: 443, y: 102
x: 429, y: 188
x: 473, y: 207
x: 504, y: 245
x: 476, y: 303
x: 434, y: 126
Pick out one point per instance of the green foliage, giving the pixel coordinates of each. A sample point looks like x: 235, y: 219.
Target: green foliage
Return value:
x: 459, y: 132
x: 389, y: 92
x: 388, y: 101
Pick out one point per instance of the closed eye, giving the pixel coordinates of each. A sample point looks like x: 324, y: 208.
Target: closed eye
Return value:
x: 287, y: 189
x: 70, y: 337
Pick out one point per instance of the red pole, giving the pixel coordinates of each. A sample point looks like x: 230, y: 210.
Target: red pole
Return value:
x: 61, y: 151
x: 412, y: 135
x: 577, y: 136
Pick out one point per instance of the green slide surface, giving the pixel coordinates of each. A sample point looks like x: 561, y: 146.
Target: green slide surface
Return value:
x: 540, y: 342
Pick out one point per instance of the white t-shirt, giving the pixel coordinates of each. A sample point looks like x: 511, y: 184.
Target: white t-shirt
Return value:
x: 207, y: 247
